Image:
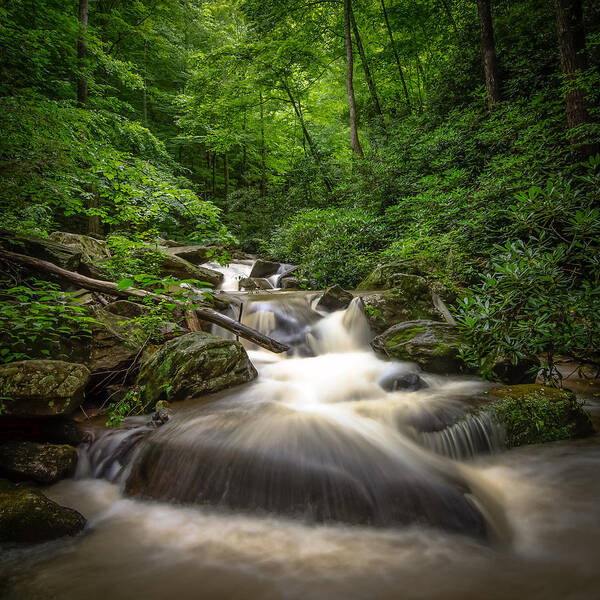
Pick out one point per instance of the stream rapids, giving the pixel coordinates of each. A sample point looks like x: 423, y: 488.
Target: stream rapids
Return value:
x: 331, y: 476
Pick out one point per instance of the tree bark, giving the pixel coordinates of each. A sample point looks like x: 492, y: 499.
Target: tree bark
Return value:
x: 391, y: 36
x: 263, y: 166
x: 488, y: 51
x: 355, y: 142
x: 571, y: 44
x: 82, y: 81
x: 365, y: 64
x: 311, y: 144
x: 226, y: 173
x: 110, y: 288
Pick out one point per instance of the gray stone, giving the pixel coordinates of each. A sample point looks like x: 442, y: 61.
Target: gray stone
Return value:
x: 42, y: 388
x: 44, y: 463
x: 264, y: 268
x: 91, y: 249
x: 334, y: 298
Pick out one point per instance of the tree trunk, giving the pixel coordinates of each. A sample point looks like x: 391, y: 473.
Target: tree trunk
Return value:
x: 488, y: 51
x: 214, y: 168
x: 571, y: 43
x: 391, y: 36
x: 82, y: 81
x: 355, y: 142
x: 111, y: 289
x: 365, y: 64
x: 226, y: 173
x: 263, y: 166
x: 311, y: 145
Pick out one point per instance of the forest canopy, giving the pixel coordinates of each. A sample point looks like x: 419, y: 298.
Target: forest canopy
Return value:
x: 456, y: 135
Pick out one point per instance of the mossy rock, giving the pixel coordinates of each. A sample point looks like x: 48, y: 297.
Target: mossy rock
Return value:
x: 390, y: 307
x: 26, y: 515
x: 91, y: 249
x: 194, y: 364
x: 433, y: 345
x: 42, y: 388
x: 388, y: 276
x: 533, y: 414
x: 44, y: 463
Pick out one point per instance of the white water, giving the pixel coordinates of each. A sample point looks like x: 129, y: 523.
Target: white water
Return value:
x: 324, y: 404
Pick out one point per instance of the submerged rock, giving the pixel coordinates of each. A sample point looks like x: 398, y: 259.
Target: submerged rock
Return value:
x: 194, y: 364
x: 26, y: 515
x: 264, y: 268
x: 433, y: 345
x: 42, y: 388
x: 402, y: 381
x: 334, y: 298
x: 533, y: 413
x: 44, y: 463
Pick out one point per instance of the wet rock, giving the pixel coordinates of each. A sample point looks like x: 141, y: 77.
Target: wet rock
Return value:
x: 59, y: 430
x: 290, y: 283
x: 26, y: 515
x: 409, y: 382
x: 194, y: 364
x: 532, y: 414
x: 194, y: 254
x: 44, y: 463
x: 91, y: 249
x: 170, y: 243
x: 398, y: 305
x: 264, y: 268
x: 433, y: 345
x: 42, y: 248
x: 42, y: 388
x: 524, y: 370
x: 334, y: 298
x: 254, y: 283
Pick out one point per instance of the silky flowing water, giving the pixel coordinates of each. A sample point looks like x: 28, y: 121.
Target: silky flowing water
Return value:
x: 329, y: 477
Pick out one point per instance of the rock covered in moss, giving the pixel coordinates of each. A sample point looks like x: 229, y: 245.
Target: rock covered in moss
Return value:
x: 91, y: 249
x: 532, y: 414
x: 334, y: 298
x: 194, y: 364
x: 392, y: 275
x: 433, y: 345
x: 26, y: 515
x: 42, y: 388
x: 42, y: 248
x: 44, y: 463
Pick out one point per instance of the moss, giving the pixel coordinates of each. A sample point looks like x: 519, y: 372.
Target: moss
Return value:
x: 441, y: 349
x: 525, y: 389
x: 541, y: 415
x: 404, y: 335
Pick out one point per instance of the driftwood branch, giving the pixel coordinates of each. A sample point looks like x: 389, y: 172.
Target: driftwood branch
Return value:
x: 108, y: 287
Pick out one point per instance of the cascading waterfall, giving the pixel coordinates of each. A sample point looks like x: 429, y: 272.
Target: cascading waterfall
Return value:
x: 320, y: 435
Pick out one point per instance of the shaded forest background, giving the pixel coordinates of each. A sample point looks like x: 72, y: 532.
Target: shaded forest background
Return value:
x: 457, y: 137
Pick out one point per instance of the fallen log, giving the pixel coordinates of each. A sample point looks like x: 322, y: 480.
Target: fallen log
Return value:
x: 110, y: 288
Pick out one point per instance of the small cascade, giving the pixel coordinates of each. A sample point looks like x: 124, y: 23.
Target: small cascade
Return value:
x: 232, y: 273
x: 470, y: 436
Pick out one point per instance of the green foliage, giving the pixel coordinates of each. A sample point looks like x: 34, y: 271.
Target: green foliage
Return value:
x: 536, y: 418
x: 35, y: 317
x: 132, y: 404
x: 332, y: 245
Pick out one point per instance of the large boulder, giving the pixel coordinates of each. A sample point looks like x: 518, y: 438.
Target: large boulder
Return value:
x: 42, y: 388
x: 44, y: 463
x: 182, y: 269
x: 194, y: 364
x: 398, y: 305
x: 533, y: 414
x: 392, y: 275
x: 42, y: 248
x: 254, y: 283
x: 194, y: 254
x: 26, y: 515
x: 334, y: 298
x: 91, y: 249
x: 264, y: 268
x: 433, y: 345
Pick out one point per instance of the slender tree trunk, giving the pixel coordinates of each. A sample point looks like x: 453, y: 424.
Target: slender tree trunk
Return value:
x: 242, y: 178
x: 214, y: 168
x: 365, y: 64
x: 391, y: 36
x: 82, y: 82
x: 355, y: 142
x: 450, y: 16
x: 571, y: 43
x: 263, y: 166
x: 226, y: 173
x: 419, y: 81
x: 311, y: 145
x: 488, y: 51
